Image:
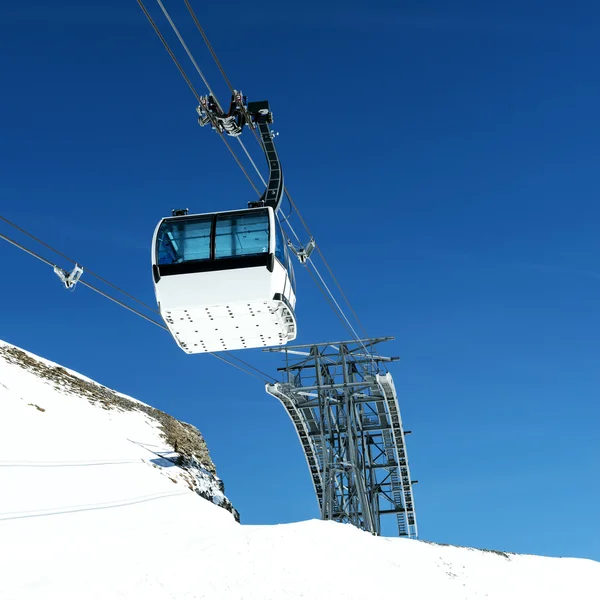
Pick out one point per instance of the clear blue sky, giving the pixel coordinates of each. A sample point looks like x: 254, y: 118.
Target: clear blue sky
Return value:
x: 445, y: 156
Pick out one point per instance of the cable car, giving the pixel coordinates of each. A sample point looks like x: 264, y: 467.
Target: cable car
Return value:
x: 224, y: 281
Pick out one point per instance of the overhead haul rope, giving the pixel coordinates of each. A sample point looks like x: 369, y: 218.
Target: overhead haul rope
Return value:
x: 33, y: 237
x: 224, y: 74
x: 168, y: 49
x: 105, y: 281
x: 55, y: 266
x: 335, y: 304
x: 191, y: 86
x: 208, y: 44
x: 116, y: 300
x: 168, y: 17
x: 199, y: 71
x: 329, y: 269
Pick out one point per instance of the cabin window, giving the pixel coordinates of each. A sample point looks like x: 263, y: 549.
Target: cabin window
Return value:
x: 280, y: 245
x: 185, y: 240
x: 290, y: 270
x: 242, y: 234
x: 283, y: 255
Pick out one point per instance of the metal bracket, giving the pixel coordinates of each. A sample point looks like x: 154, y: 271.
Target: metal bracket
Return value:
x: 256, y: 115
x: 348, y: 422
x: 303, y: 253
x: 69, y: 279
x: 232, y: 123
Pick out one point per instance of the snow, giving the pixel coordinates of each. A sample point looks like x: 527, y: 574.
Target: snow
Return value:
x: 91, y: 507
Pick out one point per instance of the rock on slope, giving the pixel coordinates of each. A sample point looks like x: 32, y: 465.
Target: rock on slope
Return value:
x: 92, y: 506
x: 83, y: 408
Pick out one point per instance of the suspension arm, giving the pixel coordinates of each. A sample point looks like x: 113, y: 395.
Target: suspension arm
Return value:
x: 256, y: 115
x: 261, y: 118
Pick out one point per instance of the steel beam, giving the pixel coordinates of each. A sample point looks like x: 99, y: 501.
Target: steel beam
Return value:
x: 350, y: 431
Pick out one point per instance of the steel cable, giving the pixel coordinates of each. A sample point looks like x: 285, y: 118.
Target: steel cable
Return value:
x: 126, y: 306
x: 168, y: 49
x: 295, y: 208
x: 39, y: 241
x: 187, y: 50
x: 187, y: 79
x: 208, y: 44
x: 329, y: 269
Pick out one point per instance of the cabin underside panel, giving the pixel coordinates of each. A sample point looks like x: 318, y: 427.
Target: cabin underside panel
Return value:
x: 233, y: 326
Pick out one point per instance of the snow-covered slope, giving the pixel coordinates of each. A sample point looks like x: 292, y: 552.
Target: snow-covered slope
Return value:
x: 92, y: 506
x: 57, y: 426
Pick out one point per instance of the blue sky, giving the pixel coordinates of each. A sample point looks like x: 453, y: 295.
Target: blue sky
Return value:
x: 445, y: 157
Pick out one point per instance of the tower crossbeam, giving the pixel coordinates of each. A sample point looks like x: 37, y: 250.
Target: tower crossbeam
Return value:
x: 345, y: 410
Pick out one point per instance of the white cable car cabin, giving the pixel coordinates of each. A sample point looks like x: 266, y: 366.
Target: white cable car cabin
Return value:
x: 224, y: 281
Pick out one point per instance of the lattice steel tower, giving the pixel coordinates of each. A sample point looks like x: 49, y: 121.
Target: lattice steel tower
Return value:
x: 344, y: 407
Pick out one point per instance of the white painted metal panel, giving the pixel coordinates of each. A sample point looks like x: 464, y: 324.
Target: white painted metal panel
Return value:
x: 226, y: 310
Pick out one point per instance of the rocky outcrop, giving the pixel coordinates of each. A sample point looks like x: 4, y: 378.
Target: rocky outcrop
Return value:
x: 190, y: 452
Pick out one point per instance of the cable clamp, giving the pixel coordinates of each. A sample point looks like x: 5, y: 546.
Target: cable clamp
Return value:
x: 303, y: 253
x: 69, y: 279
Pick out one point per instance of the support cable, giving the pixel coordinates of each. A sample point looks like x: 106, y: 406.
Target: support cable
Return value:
x: 91, y: 287
x: 187, y: 79
x: 168, y: 49
x: 224, y: 74
x: 324, y: 288
x: 329, y: 269
x: 329, y: 301
x: 350, y: 328
x: 39, y: 241
x: 240, y: 165
x: 222, y: 70
x: 253, y: 163
x: 30, y: 252
x: 133, y: 310
x: 187, y: 50
x: 208, y: 44
x: 116, y: 301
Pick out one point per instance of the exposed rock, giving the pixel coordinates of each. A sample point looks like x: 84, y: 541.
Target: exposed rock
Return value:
x: 185, y: 439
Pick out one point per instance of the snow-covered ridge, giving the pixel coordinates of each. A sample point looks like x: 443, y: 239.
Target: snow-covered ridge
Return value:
x: 94, y: 506
x: 183, y: 451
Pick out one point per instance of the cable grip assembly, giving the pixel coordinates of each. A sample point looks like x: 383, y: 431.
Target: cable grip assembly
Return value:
x: 69, y: 279
x: 303, y: 253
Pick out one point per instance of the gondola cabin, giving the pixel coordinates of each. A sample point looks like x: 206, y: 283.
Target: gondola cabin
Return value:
x: 224, y: 281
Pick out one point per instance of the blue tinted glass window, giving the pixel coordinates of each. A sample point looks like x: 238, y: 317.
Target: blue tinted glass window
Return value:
x: 283, y: 254
x: 242, y: 234
x: 184, y: 240
x: 290, y: 270
x: 280, y: 245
